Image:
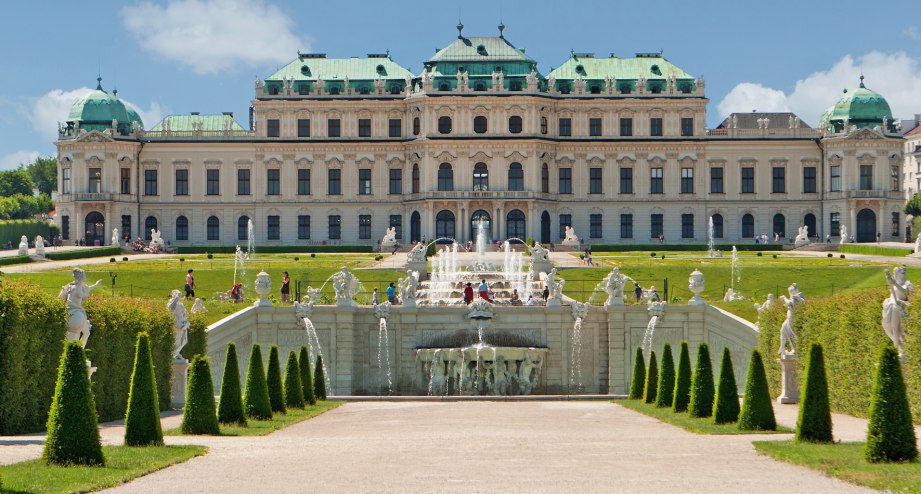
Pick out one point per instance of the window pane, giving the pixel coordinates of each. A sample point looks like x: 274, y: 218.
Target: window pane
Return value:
x: 748, y: 180
x: 687, y: 180
x: 364, y: 127
x: 655, y: 181
x: 565, y: 127
x: 594, y: 127
x: 687, y: 126
x: 396, y: 181
x: 687, y: 226
x: 565, y: 181
x: 303, y: 227
x: 213, y: 182
x: 182, y: 182
x: 332, y: 127
x: 716, y: 180
x: 273, y: 127
x: 273, y: 182
x: 243, y: 182
x: 334, y: 182
x: 514, y: 125
x: 274, y: 228
x: 655, y: 126
x: 626, y: 180
x: 364, y: 226
x: 778, y: 180
x: 626, y: 127
x: 335, y: 227
x: 594, y: 225
x: 656, y: 225
x: 444, y: 125
x: 395, y: 126
x: 364, y: 181
x: 595, y: 185
x: 303, y: 182
x: 303, y: 127
x: 626, y: 226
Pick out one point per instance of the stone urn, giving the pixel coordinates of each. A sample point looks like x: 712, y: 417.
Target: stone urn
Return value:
x: 696, y: 285
x: 263, y: 288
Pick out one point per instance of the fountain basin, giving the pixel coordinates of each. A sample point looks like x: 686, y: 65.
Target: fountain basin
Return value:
x: 482, y: 369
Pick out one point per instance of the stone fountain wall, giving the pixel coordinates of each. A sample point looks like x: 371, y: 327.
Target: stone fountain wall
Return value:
x: 349, y: 337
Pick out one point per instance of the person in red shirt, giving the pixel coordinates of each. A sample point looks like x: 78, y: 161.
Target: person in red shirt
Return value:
x: 468, y: 293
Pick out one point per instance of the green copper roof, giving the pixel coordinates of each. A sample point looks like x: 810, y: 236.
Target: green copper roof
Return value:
x: 98, y: 108
x: 480, y: 50
x: 649, y: 66
x: 861, y: 107
x: 184, y: 123
x: 313, y: 67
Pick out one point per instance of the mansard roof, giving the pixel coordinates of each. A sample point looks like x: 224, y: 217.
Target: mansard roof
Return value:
x: 480, y: 49
x: 776, y: 120
x: 311, y: 67
x: 194, y: 121
x: 644, y: 65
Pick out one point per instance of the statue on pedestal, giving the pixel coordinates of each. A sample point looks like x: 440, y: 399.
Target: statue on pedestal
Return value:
x: 180, y: 324
x: 417, y: 253
x: 614, y: 286
x: 894, y: 307
x: 696, y: 285
x: 538, y: 253
x: 346, y: 287
x: 407, y: 287
x: 390, y: 238
x: 198, y: 307
x: 75, y: 292
x: 116, y: 240
x: 24, y: 246
x: 571, y: 239
x: 802, y: 238
x: 787, y: 334
x: 39, y: 246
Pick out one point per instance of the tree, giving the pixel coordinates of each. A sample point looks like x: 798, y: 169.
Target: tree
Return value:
x: 890, y: 432
x: 199, y: 416
x: 913, y: 206
x: 666, y: 387
x: 273, y: 381
x: 142, y: 420
x: 73, y: 433
x: 294, y: 392
x: 230, y: 406
x: 682, y: 395
x: 44, y: 173
x: 757, y: 412
x: 639, y: 375
x: 256, y: 396
x: 702, y: 385
x: 726, y: 407
x: 319, y: 380
x: 652, y: 379
x: 814, y: 422
x: 14, y: 182
x: 303, y: 364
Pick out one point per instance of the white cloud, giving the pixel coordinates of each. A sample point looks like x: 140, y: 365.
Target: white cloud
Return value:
x: 214, y: 35
x: 747, y: 96
x: 14, y: 159
x: 150, y: 116
x: 896, y: 76
x: 54, y: 107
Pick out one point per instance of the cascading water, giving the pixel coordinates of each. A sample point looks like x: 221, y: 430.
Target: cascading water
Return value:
x: 736, y: 275
x: 711, y: 251
x: 656, y: 311
x: 383, y: 357
x: 575, y: 356
x: 315, y: 348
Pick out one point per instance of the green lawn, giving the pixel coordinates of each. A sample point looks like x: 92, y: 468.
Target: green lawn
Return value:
x: 695, y: 425
x: 122, y: 464
x: 845, y: 461
x: 263, y: 427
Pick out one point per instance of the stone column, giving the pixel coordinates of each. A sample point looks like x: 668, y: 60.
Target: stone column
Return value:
x: 790, y: 390
x: 179, y: 382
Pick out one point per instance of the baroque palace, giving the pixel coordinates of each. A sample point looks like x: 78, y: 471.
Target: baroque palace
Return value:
x: 339, y: 150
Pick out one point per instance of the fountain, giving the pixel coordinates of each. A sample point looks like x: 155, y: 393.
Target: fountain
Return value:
x: 656, y: 311
x: 579, y: 311
x: 711, y: 251
x: 382, y: 312
x: 303, y: 311
x: 481, y: 240
x: 736, y: 265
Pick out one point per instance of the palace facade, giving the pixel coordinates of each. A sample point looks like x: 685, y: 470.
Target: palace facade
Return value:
x: 339, y: 150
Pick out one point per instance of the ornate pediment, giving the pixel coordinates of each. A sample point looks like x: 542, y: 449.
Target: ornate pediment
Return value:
x: 273, y: 161
x: 303, y: 160
x: 866, y: 133
x: 480, y: 156
x: 94, y: 136
x: 515, y: 156
x: 445, y: 156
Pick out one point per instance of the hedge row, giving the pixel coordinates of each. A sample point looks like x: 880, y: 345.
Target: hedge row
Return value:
x: 12, y: 230
x: 275, y: 249
x: 83, y: 253
x: 874, y: 250
x: 848, y: 326
x: 6, y: 261
x: 681, y: 247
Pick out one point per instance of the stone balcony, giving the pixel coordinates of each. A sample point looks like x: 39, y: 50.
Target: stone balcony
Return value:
x: 806, y: 133
x: 478, y: 194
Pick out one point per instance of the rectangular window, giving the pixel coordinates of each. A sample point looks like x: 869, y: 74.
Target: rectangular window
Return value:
x: 626, y: 180
x: 716, y: 180
x: 126, y: 180
x: 65, y: 227
x: 687, y: 226
x: 835, y: 221
x: 213, y: 178
x: 565, y: 127
x: 396, y: 222
x: 332, y: 127
x: 182, y: 182
x: 273, y: 182
x: 364, y: 181
x: 273, y: 127
x: 866, y: 177
x: 364, y: 127
x: 303, y: 127
x: 626, y: 127
x: 748, y: 180
x: 364, y: 226
x: 835, y: 178
x: 687, y: 180
x: 687, y: 126
x: 626, y: 226
x: 809, y: 180
x: 243, y: 182
x: 335, y: 227
x: 565, y: 181
x: 894, y: 178
x: 655, y: 181
x: 778, y: 180
x: 395, y: 127
x: 895, y: 224
x: 126, y: 225
x: 565, y: 220
x: 594, y: 225
x: 95, y: 183
x: 150, y: 182
x: 303, y: 227
x: 274, y: 228
x: 594, y: 127
x: 303, y: 182
x: 655, y: 126
x: 334, y: 182
x: 396, y: 181
x: 595, y: 185
x: 65, y: 181
x: 656, y: 225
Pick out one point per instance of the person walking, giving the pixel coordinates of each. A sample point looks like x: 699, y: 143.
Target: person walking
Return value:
x: 375, y: 297
x: 638, y: 292
x: 189, y: 285
x: 391, y: 294
x: 285, y: 288
x: 468, y: 293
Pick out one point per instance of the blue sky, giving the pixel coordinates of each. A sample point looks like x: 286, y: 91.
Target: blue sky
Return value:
x: 177, y: 56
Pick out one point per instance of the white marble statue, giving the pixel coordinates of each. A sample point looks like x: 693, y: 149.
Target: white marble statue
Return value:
x: 894, y: 306
x: 198, y: 307
x: 156, y: 240
x: 539, y: 253
x: 407, y: 287
x: 766, y: 305
x: 787, y: 334
x: 555, y: 298
x: 696, y: 285
x: 180, y: 323
x: 116, y: 241
x: 571, y: 239
x: 417, y: 253
x: 390, y: 238
x: 802, y: 238
x: 39, y: 246
x: 24, y: 246
x: 614, y: 286
x: 844, y: 237
x: 345, y: 285
x: 918, y: 244
x: 75, y: 292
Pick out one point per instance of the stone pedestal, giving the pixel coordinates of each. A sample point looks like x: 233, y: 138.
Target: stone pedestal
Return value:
x: 421, y: 267
x: 179, y: 382
x: 90, y: 369
x: 614, y: 302
x: 790, y: 390
x: 541, y: 266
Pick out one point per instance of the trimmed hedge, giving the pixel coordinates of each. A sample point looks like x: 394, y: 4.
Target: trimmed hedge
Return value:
x: 814, y: 422
x: 639, y: 375
x: 256, y: 396
x: 666, y: 385
x: 199, y: 416
x: 702, y: 385
x: 726, y: 406
x: 142, y: 420
x: 276, y: 249
x: 12, y: 230
x: 757, y: 410
x: 294, y: 392
x: 83, y: 253
x: 230, y: 406
x: 890, y: 433
x: 273, y: 381
x: 33, y: 323
x: 73, y: 433
x: 198, y: 338
x: 682, y: 395
x: 874, y: 250
x: 6, y: 261
x: 319, y: 380
x: 680, y: 247
x: 652, y: 379
x: 303, y: 364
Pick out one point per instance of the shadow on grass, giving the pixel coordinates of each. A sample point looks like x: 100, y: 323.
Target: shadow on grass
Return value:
x: 279, y: 421
x: 690, y: 424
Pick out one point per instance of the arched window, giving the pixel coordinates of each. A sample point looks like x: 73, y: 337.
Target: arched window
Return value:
x: 444, y: 224
x: 780, y: 225
x: 717, y: 225
x: 478, y: 219
x: 515, y: 225
x: 545, y: 179
x: 95, y: 228
x: 334, y: 90
x: 445, y: 177
x: 444, y: 86
x: 444, y: 125
x: 480, y: 177
x: 748, y: 226
x: 415, y: 227
x: 150, y: 223
x: 515, y: 177
x: 480, y: 124
x: 182, y: 228
x: 543, y: 125
x: 415, y: 178
x: 514, y: 124
x: 243, y: 228
x: 416, y: 126
x: 479, y: 86
x: 214, y: 228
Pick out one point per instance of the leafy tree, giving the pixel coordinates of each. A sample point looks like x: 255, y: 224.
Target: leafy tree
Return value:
x: 913, y: 206
x: 273, y: 381
x: 666, y: 387
x: 890, y: 432
x: 757, y: 412
x: 44, y: 173
x: 73, y: 433
x: 303, y: 364
x: 652, y: 379
x: 256, y: 396
x: 639, y: 375
x: 814, y: 422
x: 319, y: 380
x: 702, y: 385
x: 230, y: 406
x: 682, y: 395
x: 14, y: 182
x: 726, y: 407
x: 199, y: 416
x: 294, y: 392
x: 142, y: 420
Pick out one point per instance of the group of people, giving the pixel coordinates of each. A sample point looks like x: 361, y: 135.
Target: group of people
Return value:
x: 646, y: 296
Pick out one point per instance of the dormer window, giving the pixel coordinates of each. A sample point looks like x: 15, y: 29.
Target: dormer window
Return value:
x: 444, y: 86
x: 655, y: 70
x: 305, y: 70
x: 481, y: 50
x: 514, y: 86
x: 564, y: 88
x: 625, y: 88
x: 381, y: 70
x: 479, y: 86
x: 394, y: 89
x: 595, y: 89
x: 334, y: 90
x: 364, y: 90
x: 273, y: 90
x: 580, y: 69
x: 303, y: 89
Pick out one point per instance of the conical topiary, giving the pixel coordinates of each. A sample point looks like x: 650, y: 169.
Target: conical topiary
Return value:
x: 319, y: 380
x: 814, y: 422
x: 294, y: 394
x: 666, y: 386
x: 256, y: 396
x: 757, y: 411
x: 652, y: 379
x: 199, y: 415
x: 726, y: 406
x: 230, y: 405
x: 682, y: 395
x: 303, y: 363
x: 639, y: 375
x: 142, y: 420
x: 890, y: 432
x: 73, y: 432
x: 273, y: 381
x: 701, y: 404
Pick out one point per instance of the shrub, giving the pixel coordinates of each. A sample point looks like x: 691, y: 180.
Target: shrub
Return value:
x: 273, y: 381
x: 142, y: 420
x: 666, y: 386
x: 682, y: 395
x: 199, y: 416
x: 874, y: 250
x: 111, y: 259
x: 297, y: 259
x: 759, y: 254
x: 663, y: 256
x: 830, y: 254
x: 313, y: 254
x: 757, y: 411
x: 652, y: 254
x: 319, y: 379
x: 726, y: 406
x: 210, y: 255
x: 12, y: 230
x: 652, y: 379
x: 775, y: 256
x: 890, y: 433
x: 198, y: 338
x: 639, y: 375
x: 680, y: 247
x: 73, y: 433
x: 276, y: 249
x: 125, y: 258
x: 256, y: 396
x: 230, y: 405
x: 294, y: 392
x: 814, y: 422
x: 841, y: 256
x: 701, y: 404
x: 6, y: 261
x: 82, y: 253
x: 182, y: 259
x: 303, y: 364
